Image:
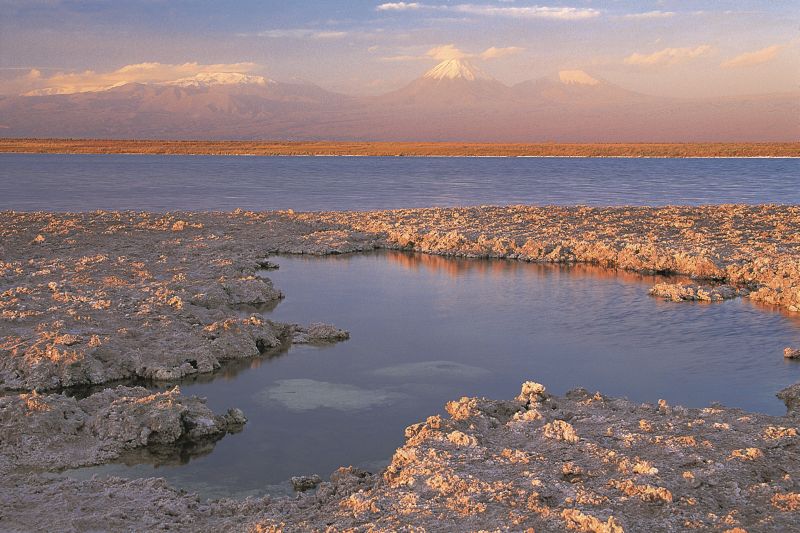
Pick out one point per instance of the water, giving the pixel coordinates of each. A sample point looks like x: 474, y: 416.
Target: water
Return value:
x: 427, y: 329
x: 143, y: 182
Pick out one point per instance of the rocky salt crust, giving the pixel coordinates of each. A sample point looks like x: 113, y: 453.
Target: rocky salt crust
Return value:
x: 92, y: 298
x: 87, y: 299
x: 581, y: 462
x: 751, y: 247
x: 680, y: 292
x: 54, y: 431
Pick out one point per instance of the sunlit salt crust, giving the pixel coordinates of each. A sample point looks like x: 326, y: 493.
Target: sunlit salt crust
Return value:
x: 90, y: 299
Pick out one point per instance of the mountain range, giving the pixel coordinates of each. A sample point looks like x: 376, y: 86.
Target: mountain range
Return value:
x: 454, y: 101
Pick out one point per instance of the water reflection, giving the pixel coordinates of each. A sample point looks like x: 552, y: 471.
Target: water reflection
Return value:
x: 232, y: 368
x: 457, y: 267
x: 428, y: 329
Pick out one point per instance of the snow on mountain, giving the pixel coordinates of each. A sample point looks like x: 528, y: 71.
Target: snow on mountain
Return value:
x: 577, y: 77
x: 56, y: 91
x: 454, y: 101
x: 205, y: 79
x: 450, y: 84
x: 454, y: 69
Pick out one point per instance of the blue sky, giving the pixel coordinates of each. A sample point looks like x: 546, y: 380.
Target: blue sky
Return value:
x: 677, y: 48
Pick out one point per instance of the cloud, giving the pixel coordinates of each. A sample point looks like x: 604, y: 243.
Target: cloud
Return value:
x: 450, y: 51
x: 399, y: 6
x: 401, y: 58
x: 494, y: 52
x: 301, y: 33
x: 90, y: 80
x: 445, y: 52
x: 668, y: 56
x: 329, y: 34
x: 488, y: 10
x: 544, y: 12
x: 650, y: 15
x: 749, y: 59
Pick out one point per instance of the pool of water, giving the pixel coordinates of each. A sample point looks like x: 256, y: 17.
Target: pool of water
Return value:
x: 58, y: 182
x: 427, y: 329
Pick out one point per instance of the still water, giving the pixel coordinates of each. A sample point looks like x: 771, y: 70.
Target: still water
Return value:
x: 316, y: 408
x: 56, y: 182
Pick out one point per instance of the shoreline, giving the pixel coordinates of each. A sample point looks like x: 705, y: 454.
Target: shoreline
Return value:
x: 404, y: 149
x: 89, y: 298
x: 419, y: 156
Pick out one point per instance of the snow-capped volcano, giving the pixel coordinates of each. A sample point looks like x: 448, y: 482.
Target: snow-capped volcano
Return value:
x: 205, y: 79
x: 454, y: 101
x: 576, y: 77
x: 451, y: 83
x: 456, y: 69
x: 573, y: 88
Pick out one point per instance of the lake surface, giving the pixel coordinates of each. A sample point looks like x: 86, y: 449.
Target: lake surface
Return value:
x: 56, y: 182
x: 428, y: 329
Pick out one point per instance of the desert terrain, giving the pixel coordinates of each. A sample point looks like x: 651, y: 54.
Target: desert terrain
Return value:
x: 433, y: 149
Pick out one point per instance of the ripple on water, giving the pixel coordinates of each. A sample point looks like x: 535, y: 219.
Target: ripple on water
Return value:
x: 426, y: 330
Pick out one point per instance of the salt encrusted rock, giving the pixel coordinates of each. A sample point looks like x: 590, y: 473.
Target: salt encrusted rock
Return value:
x: 118, y: 300
x: 54, y: 431
x: 266, y: 264
x: 561, y: 430
x: 136, y: 419
x: 679, y: 292
x: 318, y: 333
x: 791, y: 353
x: 250, y: 291
x: 791, y: 397
x: 235, y: 418
x: 532, y: 393
x: 136, y: 293
x: 242, y: 338
x: 233, y: 292
x: 587, y: 462
x: 304, y: 483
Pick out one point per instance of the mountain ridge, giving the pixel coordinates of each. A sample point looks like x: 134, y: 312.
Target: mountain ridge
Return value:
x: 453, y: 101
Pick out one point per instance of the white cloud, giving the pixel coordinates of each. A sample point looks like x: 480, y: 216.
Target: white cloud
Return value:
x: 445, y: 52
x: 450, y: 51
x: 494, y: 52
x: 650, y: 15
x: 668, y: 56
x: 488, y: 10
x: 301, y: 33
x: 399, y: 6
x: 329, y: 34
x: 749, y: 59
x: 401, y: 58
x: 544, y: 12
x: 90, y: 80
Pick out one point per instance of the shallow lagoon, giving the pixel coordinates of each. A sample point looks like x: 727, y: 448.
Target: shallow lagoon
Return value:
x: 316, y: 408
x: 58, y: 182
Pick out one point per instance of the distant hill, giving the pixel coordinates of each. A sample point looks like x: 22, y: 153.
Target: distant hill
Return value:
x: 454, y: 101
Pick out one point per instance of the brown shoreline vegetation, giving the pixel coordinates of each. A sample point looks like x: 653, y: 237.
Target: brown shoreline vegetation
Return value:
x: 95, y: 298
x: 452, y: 149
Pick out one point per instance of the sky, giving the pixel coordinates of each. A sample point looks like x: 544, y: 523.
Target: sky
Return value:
x: 673, y: 48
